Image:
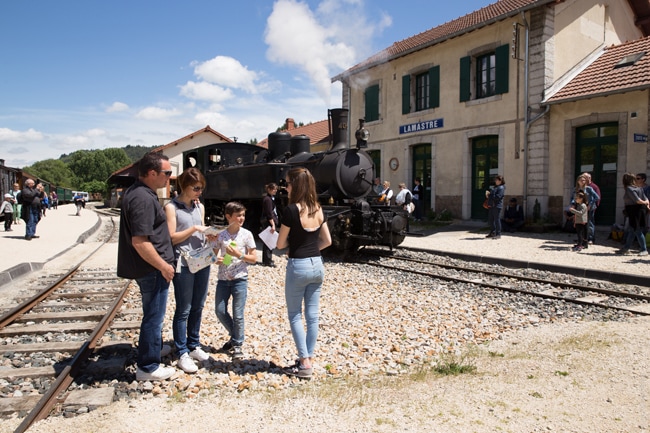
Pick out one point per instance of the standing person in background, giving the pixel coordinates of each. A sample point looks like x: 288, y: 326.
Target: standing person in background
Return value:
x: 641, y: 183
x: 636, y: 207
x: 377, y: 187
x: 185, y: 220
x: 236, y: 247
x: 404, y: 199
x: 579, y: 209
x: 146, y: 255
x: 31, y: 210
x: 7, y: 210
x: 495, y: 201
x: 418, y: 192
x: 15, y: 192
x: 78, y: 200
x: 386, y: 193
x: 269, y: 219
x: 592, y: 205
x: 54, y: 200
x: 45, y: 201
x: 304, y: 231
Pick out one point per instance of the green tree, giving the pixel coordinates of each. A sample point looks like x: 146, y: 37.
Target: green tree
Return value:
x: 90, y: 165
x: 54, y: 171
x: 95, y: 186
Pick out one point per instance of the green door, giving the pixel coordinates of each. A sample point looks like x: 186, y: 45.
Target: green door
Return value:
x: 422, y: 169
x: 485, y: 167
x: 596, y: 153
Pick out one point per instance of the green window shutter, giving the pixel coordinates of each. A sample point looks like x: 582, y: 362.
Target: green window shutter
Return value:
x: 502, y: 56
x: 434, y: 87
x: 465, y: 74
x: 372, y: 103
x: 406, y: 94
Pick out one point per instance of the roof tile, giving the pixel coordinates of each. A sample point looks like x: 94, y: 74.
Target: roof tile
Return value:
x: 602, y: 78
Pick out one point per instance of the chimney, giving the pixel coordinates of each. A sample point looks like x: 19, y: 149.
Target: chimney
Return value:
x: 291, y: 124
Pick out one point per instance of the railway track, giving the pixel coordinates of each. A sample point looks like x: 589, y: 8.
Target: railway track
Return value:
x: 51, y: 337
x: 632, y: 299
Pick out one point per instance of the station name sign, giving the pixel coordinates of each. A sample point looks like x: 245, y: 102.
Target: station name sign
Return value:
x: 421, y: 126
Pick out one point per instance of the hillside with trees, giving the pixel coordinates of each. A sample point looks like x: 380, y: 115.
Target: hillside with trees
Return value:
x: 86, y: 170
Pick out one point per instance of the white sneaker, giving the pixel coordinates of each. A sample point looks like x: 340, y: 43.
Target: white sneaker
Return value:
x: 186, y: 364
x: 166, y: 350
x: 161, y: 373
x: 199, y: 354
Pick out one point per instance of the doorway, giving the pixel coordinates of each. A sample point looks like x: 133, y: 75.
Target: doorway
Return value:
x: 485, y: 167
x: 596, y: 153
x: 422, y: 169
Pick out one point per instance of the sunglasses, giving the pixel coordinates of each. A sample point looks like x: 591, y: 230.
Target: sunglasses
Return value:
x: 166, y: 172
x: 197, y: 188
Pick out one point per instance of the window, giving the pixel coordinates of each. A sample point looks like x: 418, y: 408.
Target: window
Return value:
x: 425, y: 94
x: 372, y: 103
x: 485, y: 76
x: 489, y: 76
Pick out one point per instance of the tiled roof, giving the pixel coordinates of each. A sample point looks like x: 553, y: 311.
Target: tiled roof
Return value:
x: 318, y: 132
x: 497, y: 11
x: 191, y: 135
x: 602, y: 78
x: 131, y: 170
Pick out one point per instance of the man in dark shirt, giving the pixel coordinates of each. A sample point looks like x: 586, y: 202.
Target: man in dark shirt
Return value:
x: 269, y: 219
x: 31, y: 211
x: 513, y: 216
x: 145, y: 254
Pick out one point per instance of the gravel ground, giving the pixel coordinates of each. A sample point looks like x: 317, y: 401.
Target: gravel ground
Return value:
x: 537, y: 366
x: 534, y: 366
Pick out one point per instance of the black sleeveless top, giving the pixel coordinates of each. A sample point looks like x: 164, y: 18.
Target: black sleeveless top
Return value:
x: 302, y: 243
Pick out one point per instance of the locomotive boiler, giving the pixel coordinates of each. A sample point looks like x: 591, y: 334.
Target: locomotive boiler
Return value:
x: 343, y: 175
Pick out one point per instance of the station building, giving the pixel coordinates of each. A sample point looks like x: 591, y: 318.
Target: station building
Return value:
x: 538, y: 91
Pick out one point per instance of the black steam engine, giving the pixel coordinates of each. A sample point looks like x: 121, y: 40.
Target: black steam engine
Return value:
x: 344, y: 178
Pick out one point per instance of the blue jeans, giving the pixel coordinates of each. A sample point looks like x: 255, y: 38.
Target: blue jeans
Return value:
x: 34, y: 218
x: 630, y: 234
x: 234, y: 324
x: 190, y: 291
x: 303, y: 281
x: 154, y: 289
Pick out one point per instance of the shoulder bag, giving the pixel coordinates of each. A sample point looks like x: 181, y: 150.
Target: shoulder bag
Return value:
x: 199, y: 259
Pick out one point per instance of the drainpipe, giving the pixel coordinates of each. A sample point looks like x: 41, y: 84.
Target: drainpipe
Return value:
x: 527, y: 120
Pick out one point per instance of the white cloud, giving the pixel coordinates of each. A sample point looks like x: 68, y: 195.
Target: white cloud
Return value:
x: 157, y: 113
x: 204, y: 91
x: 227, y: 72
x: 11, y: 136
x: 116, y: 107
x: 95, y: 132
x: 320, y: 43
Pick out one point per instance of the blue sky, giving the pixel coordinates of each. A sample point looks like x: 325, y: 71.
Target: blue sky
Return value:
x: 90, y: 74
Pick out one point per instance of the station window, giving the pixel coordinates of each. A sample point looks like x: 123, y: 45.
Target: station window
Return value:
x: 421, y: 90
x: 489, y: 76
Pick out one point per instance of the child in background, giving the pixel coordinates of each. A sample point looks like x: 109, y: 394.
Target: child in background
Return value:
x: 579, y: 209
x: 7, y: 209
x: 236, y: 248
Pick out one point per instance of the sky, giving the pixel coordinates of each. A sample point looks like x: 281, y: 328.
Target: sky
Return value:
x: 92, y: 74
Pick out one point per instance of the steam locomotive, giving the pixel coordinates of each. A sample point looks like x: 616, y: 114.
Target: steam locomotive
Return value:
x: 343, y: 175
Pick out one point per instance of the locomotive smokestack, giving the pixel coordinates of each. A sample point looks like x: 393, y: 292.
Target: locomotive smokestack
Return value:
x: 338, y: 124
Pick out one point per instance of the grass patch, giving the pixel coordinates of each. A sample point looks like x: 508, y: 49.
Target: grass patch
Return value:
x: 452, y: 364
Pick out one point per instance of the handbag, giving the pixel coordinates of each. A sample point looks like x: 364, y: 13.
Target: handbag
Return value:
x: 486, y: 205
x: 199, y: 259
